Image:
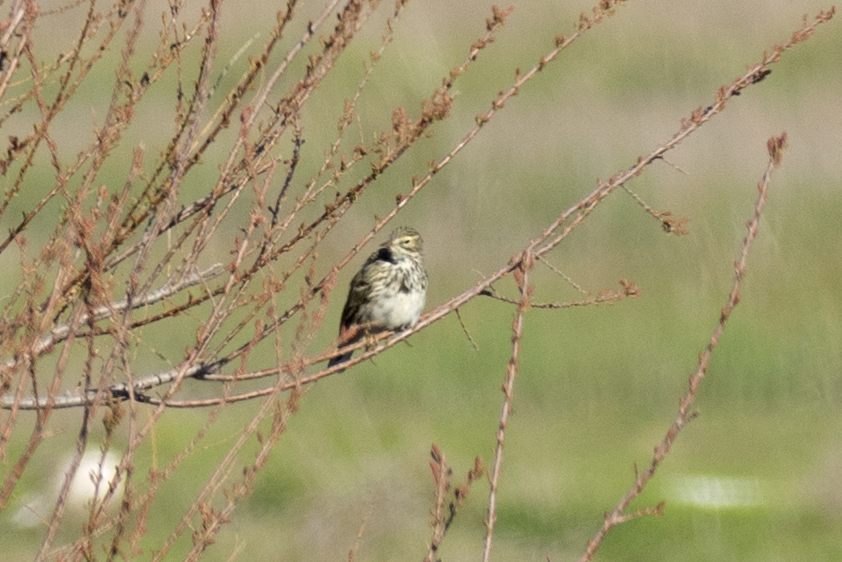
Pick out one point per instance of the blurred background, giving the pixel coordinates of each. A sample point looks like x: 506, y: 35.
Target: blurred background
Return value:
x: 756, y: 476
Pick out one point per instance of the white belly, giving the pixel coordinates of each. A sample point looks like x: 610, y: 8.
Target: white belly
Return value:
x: 399, y: 310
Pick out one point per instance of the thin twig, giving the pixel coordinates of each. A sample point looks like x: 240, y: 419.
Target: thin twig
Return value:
x: 563, y: 275
x: 630, y: 290
x: 465, y: 330
x: 527, y: 262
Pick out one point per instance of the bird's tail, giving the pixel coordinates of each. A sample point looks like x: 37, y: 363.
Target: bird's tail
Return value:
x: 339, y: 359
x: 347, y: 336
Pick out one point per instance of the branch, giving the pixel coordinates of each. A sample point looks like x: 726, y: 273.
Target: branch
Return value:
x: 551, y: 236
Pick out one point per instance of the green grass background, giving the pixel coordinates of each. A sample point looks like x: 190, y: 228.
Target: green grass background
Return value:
x: 598, y: 387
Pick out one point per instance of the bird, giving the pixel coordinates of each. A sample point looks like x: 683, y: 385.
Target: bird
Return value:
x: 387, y: 293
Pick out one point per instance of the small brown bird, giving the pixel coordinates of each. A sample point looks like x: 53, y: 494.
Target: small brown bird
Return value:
x: 387, y: 293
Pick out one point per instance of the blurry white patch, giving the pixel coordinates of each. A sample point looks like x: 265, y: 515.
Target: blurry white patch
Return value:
x: 38, y: 507
x: 716, y: 491
x: 83, y: 488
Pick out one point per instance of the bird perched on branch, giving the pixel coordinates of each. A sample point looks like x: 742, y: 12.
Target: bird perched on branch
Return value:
x: 387, y: 293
